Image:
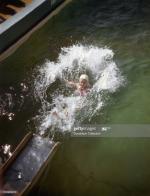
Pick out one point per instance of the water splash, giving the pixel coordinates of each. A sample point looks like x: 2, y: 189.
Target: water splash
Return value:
x: 72, y: 61
x: 12, y: 100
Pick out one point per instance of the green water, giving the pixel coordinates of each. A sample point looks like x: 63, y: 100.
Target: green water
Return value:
x: 87, y: 166
x: 99, y: 167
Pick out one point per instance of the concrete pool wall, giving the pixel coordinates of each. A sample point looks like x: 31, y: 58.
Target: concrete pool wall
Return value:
x: 18, y: 28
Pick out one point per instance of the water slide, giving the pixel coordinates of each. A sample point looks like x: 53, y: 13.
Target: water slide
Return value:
x: 21, y: 171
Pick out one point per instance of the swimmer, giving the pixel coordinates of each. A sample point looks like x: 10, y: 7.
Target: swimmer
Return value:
x: 82, y: 87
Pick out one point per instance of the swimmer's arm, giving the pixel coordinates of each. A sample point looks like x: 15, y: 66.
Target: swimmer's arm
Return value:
x: 71, y: 84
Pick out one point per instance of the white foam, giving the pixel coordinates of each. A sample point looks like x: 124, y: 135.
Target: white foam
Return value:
x: 71, y: 62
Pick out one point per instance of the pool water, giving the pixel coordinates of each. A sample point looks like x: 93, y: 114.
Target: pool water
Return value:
x: 86, y: 166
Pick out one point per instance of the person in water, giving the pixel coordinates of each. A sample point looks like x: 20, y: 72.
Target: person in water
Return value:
x: 60, y: 115
x: 82, y: 87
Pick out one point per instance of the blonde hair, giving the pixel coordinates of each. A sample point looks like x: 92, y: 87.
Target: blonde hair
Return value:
x: 84, y: 77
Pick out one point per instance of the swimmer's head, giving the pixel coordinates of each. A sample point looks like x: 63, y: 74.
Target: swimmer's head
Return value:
x: 84, y: 81
x: 84, y: 77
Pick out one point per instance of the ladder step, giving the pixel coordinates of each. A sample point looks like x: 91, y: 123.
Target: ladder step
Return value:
x: 17, y: 9
x: 8, y: 8
x: 2, y: 19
